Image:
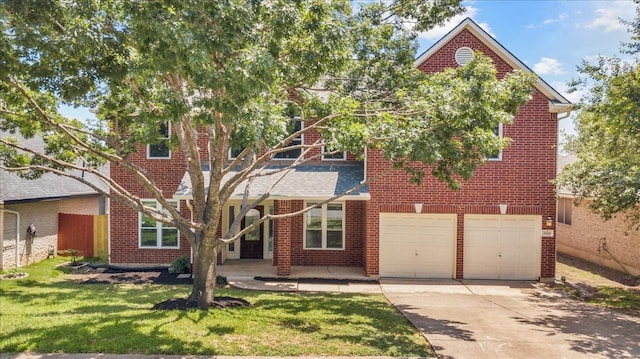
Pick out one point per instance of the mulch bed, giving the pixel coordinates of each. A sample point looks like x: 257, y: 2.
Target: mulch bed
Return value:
x: 88, y: 275
x: 218, y: 303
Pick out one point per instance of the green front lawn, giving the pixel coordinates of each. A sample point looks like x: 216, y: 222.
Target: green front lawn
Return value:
x: 46, y: 312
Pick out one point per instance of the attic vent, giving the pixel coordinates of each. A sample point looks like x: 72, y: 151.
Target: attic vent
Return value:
x: 464, y: 55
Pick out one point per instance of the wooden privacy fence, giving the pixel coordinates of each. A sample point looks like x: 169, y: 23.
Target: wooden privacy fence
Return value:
x: 86, y: 234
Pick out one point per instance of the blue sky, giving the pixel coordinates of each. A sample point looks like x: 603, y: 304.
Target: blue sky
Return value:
x: 552, y: 37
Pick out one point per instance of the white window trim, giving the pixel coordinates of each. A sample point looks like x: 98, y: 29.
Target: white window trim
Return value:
x: 149, y: 157
x: 301, y: 143
x: 324, y: 229
x: 344, y: 155
x: 500, y: 134
x: 159, y: 226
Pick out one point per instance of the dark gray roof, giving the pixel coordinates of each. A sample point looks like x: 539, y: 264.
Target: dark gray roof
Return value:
x: 303, y: 182
x: 15, y: 189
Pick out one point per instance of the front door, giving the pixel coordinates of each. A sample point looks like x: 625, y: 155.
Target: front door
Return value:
x: 252, y: 243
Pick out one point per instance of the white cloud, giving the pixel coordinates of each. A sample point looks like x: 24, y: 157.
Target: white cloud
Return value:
x: 607, y: 19
x: 549, y: 21
x: 563, y: 89
x: 548, y: 66
x: 439, y: 32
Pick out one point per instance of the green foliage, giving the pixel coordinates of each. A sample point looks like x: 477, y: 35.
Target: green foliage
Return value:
x: 234, y: 72
x: 607, y: 144
x: 180, y: 265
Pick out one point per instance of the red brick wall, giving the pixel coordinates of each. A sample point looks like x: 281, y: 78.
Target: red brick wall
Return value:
x: 351, y: 256
x: 167, y: 174
x: 522, y: 179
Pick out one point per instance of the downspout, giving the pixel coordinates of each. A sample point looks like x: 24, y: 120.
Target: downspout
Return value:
x: 365, y: 166
x: 17, y: 214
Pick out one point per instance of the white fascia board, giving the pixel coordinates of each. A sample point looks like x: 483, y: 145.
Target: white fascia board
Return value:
x: 507, y: 56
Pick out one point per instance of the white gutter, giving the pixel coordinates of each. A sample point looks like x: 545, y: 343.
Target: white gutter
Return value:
x: 2, y: 210
x: 556, y: 107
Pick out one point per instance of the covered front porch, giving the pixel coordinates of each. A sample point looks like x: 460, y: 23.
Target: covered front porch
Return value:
x: 264, y: 268
x: 260, y: 274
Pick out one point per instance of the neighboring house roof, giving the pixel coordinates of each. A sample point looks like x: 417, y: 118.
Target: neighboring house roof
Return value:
x: 564, y: 160
x: 558, y: 103
x: 310, y: 182
x: 14, y: 188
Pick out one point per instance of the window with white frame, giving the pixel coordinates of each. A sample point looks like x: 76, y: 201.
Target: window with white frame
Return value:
x: 161, y: 149
x: 154, y: 234
x: 565, y: 205
x: 330, y: 155
x: 498, y: 155
x: 324, y: 227
x: 295, y: 126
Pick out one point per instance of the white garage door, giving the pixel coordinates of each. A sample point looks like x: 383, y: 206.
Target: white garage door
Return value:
x: 502, y: 247
x: 417, y: 245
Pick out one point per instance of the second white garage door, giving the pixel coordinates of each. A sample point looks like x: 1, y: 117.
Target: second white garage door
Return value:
x: 502, y: 247
x: 417, y: 245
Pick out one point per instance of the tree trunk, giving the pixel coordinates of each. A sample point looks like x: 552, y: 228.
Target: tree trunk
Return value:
x: 204, y: 275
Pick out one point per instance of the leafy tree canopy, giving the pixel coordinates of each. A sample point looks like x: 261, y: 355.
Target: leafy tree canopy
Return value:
x: 607, y: 144
x: 235, y: 73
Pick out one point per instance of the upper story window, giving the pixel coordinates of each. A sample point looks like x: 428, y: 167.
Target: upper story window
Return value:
x: 154, y: 234
x: 498, y: 155
x: 565, y: 205
x: 329, y: 155
x: 161, y: 149
x: 324, y: 227
x: 295, y: 126
x: 235, y: 151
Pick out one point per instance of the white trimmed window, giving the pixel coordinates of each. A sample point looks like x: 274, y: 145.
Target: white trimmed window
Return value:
x: 324, y: 227
x: 161, y: 150
x: 497, y: 156
x: 330, y: 155
x: 296, y: 125
x: 154, y: 234
x: 565, y: 205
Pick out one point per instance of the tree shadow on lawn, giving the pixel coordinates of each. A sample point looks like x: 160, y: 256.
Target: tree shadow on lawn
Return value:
x: 380, y: 325
x: 65, y: 316
x: 595, y: 330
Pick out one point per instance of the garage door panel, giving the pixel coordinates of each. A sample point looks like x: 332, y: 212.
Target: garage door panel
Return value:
x: 502, y: 247
x: 417, y: 245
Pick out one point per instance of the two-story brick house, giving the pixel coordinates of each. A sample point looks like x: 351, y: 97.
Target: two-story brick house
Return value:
x: 493, y: 228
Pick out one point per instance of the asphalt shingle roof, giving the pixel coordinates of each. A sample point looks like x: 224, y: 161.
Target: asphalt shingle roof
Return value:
x: 14, y: 188
x: 303, y: 182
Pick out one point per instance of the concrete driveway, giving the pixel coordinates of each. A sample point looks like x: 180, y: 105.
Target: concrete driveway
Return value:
x: 481, y: 319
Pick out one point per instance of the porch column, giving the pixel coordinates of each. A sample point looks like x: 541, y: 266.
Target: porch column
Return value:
x: 282, y: 239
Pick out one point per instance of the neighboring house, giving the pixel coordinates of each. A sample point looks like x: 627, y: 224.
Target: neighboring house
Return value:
x: 584, y: 234
x: 29, y: 211
x: 491, y: 229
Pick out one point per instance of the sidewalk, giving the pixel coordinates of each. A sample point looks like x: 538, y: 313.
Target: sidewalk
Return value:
x: 158, y: 356
x: 306, y: 285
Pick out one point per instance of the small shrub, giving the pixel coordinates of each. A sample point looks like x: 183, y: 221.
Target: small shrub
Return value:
x: 180, y: 265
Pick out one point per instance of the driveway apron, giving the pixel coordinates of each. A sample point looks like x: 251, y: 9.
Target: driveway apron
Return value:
x: 502, y: 319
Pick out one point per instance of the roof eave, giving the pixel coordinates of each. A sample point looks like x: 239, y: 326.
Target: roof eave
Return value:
x: 494, y: 45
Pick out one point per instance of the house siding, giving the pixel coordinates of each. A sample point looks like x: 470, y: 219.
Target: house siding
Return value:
x: 522, y: 179
x: 586, y: 234
x: 44, y: 214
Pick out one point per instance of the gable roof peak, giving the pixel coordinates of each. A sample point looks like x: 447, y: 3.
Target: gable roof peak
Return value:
x: 557, y: 102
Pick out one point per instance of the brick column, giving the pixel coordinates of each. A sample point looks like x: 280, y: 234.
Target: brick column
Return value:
x: 283, y: 239
x: 372, y: 240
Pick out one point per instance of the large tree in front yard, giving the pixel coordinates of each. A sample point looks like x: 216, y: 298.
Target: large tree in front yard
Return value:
x: 234, y: 74
x: 607, y: 143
